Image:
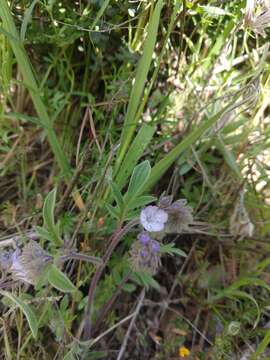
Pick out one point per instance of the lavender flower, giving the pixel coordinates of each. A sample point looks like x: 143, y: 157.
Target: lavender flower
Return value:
x: 145, y: 255
x: 144, y: 238
x: 179, y: 214
x: 28, y: 264
x: 153, y: 218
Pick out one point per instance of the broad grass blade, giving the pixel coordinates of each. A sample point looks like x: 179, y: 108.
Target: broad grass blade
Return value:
x: 139, y: 84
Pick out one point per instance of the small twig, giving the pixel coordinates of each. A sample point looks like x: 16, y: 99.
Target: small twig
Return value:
x: 94, y: 341
x: 80, y: 135
x: 192, y: 325
x: 136, y: 313
x: 205, y: 328
x: 93, y: 130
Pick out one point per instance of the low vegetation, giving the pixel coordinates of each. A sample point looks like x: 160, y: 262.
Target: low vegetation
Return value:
x: 134, y: 179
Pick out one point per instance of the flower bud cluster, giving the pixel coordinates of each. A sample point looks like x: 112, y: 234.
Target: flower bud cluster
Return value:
x: 25, y: 265
x: 145, y: 254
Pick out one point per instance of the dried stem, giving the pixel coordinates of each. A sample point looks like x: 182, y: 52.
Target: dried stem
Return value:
x: 89, y: 204
x: 131, y: 325
x: 73, y: 181
x: 80, y: 256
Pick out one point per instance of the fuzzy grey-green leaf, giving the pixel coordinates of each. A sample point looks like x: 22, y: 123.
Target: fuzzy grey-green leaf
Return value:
x: 59, y: 280
x: 26, y: 309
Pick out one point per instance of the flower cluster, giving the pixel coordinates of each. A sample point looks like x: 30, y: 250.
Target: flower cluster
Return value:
x: 165, y: 218
x: 169, y: 217
x: 25, y: 265
x: 145, y: 254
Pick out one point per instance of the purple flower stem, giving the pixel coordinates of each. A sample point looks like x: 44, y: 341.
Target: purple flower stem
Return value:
x: 115, y: 239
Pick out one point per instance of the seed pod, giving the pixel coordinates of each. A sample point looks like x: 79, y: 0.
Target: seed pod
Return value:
x: 240, y: 223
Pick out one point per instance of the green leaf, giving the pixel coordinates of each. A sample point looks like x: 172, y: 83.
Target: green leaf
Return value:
x: 228, y: 156
x: 171, y: 250
x: 139, y: 177
x: 59, y: 280
x: 48, y: 209
x: 129, y: 287
x: 26, y: 19
x: 117, y: 195
x: 233, y: 292
x: 9, y: 36
x: 132, y: 214
x: 101, y: 11
x: 141, y: 201
x: 43, y: 233
x: 18, y: 116
x: 43, y: 278
x: 113, y: 211
x: 48, y: 217
x: 248, y: 281
x: 139, y: 83
x: 163, y: 165
x: 70, y: 355
x: 27, y: 311
x: 145, y: 279
x: 263, y: 264
x: 244, y: 295
x: 169, y: 28
x: 134, y: 153
x: 262, y: 346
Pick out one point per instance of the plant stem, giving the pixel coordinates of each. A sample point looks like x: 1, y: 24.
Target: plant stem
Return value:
x: 81, y: 257
x: 115, y: 239
x: 131, y: 325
